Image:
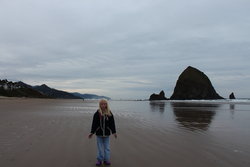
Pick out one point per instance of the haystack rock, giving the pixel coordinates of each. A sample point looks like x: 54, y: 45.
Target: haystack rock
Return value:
x: 194, y: 84
x: 231, y: 96
x: 160, y: 96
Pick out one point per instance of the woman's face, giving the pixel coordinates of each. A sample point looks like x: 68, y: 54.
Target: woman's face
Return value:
x: 103, y: 105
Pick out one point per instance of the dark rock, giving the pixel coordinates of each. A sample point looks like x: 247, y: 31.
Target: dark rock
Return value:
x: 160, y: 96
x: 194, y: 84
x: 231, y: 96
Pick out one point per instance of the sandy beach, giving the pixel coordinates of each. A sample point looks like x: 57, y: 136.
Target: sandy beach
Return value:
x: 51, y: 133
x: 33, y: 136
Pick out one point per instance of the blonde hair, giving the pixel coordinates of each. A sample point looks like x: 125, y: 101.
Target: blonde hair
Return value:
x: 107, y: 111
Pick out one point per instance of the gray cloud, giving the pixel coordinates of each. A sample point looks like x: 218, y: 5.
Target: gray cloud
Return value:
x: 125, y: 49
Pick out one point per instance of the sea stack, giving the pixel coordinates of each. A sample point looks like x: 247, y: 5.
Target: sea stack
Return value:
x: 194, y: 84
x: 231, y: 96
x: 160, y: 96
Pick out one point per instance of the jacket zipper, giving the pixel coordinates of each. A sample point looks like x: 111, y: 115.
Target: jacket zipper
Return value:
x: 104, y: 126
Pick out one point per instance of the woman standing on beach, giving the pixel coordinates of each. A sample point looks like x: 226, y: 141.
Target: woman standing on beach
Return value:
x: 103, y: 125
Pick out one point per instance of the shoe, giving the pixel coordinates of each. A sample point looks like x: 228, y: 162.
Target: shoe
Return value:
x: 98, y: 163
x: 107, y: 162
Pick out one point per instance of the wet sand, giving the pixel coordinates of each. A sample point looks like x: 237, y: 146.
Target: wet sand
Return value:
x: 50, y: 133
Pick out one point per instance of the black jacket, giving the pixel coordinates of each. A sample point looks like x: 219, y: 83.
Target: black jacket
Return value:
x: 103, y: 125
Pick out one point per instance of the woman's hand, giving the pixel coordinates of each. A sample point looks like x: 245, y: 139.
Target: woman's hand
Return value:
x: 90, y: 135
x: 115, y: 135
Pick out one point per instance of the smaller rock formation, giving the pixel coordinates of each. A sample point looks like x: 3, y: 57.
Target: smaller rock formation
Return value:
x: 160, y: 96
x: 231, y: 96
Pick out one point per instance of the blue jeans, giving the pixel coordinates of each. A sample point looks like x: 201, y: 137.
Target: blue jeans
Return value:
x: 103, y: 148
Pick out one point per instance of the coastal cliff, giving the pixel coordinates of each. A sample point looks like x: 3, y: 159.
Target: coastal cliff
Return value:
x: 21, y: 89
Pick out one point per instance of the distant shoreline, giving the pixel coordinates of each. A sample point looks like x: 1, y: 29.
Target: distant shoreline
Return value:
x: 217, y: 101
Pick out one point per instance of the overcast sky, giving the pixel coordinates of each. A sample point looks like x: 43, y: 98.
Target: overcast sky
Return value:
x: 125, y: 49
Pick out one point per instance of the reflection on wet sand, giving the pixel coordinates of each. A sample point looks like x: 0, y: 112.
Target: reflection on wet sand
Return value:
x: 232, y: 107
x: 194, y: 116
x: 157, y: 106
